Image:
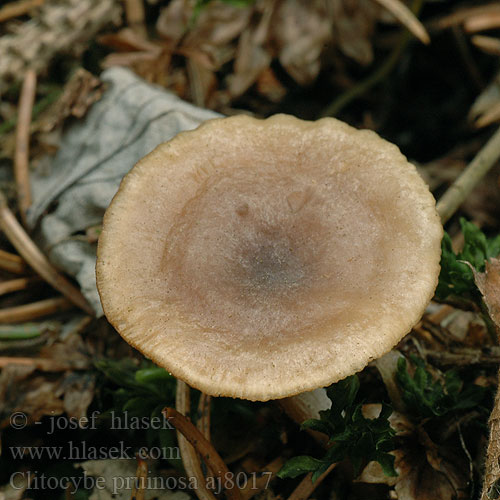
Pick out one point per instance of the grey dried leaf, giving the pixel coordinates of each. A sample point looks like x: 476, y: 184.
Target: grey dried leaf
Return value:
x: 130, y: 120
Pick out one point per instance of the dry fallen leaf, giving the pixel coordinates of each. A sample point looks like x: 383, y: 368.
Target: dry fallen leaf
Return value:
x: 484, y: 110
x: 16, y: 490
x: 295, y: 32
x: 78, y: 392
x: 173, y: 21
x: 425, y: 470
x: 404, y: 15
x: 354, y: 25
x: 489, y: 44
x: 24, y: 388
x: 202, y: 82
x: 424, y: 474
x: 462, y: 15
x: 489, y: 286
x: 300, y: 31
x: 21, y: 390
x: 269, y: 86
x: 81, y: 91
x: 149, y: 60
x: 251, y: 61
x: 218, y: 24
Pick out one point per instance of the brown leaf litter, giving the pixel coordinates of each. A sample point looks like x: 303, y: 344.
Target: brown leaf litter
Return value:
x: 81, y: 91
x: 488, y: 284
x: 39, y: 389
x: 424, y: 470
x: 297, y: 33
x: 57, y: 27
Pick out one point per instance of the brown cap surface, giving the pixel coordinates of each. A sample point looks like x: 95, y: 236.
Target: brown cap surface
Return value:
x: 263, y: 258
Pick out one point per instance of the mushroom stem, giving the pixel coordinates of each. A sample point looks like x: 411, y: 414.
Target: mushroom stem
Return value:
x: 305, y: 406
x: 387, y: 366
x: 203, y: 422
x: 205, y: 449
x: 190, y: 458
x: 308, y: 404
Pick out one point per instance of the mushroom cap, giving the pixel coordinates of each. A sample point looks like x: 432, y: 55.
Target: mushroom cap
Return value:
x: 263, y: 258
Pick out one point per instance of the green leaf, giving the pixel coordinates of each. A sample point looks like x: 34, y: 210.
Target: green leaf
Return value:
x: 351, y: 435
x: 299, y: 465
x: 141, y: 391
x: 152, y: 374
x: 429, y: 398
x: 386, y: 460
x: 452, y: 383
x: 134, y: 405
x: 342, y: 394
x: 317, y: 425
x: 319, y: 471
x: 456, y: 277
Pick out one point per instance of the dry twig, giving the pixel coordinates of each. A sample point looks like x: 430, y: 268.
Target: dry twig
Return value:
x: 403, y: 14
x: 42, y: 364
x: 469, y: 178
x: 462, y: 15
x: 26, y: 331
x: 141, y: 474
x: 12, y: 263
x: 205, y: 449
x: 17, y: 284
x: 482, y: 22
x: 25, y: 246
x: 269, y: 472
x: 306, y: 487
x: 134, y: 11
x: 489, y: 117
x: 464, y: 356
x: 19, y: 8
x: 489, y: 44
x: 21, y: 160
x: 29, y: 312
x: 203, y: 422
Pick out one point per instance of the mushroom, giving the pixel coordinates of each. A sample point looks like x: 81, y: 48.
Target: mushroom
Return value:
x: 260, y: 259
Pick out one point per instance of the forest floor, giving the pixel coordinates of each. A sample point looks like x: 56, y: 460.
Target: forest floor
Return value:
x: 77, y: 402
